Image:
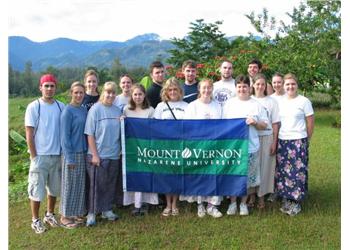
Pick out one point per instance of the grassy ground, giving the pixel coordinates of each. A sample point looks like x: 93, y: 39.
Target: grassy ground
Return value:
x: 317, y: 227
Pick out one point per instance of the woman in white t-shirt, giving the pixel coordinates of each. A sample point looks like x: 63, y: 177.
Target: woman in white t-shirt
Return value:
x: 125, y: 84
x: 204, y: 108
x: 139, y: 107
x: 297, y: 125
x: 171, y: 107
x: 268, y: 140
x: 277, y: 85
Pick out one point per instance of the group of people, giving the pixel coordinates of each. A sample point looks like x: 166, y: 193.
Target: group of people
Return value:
x: 75, y: 149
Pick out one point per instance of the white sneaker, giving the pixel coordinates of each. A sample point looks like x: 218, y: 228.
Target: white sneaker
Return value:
x: 243, y: 209
x: 213, y: 211
x: 232, y: 209
x: 201, y: 211
x: 109, y: 215
x: 38, y: 226
x: 90, y: 220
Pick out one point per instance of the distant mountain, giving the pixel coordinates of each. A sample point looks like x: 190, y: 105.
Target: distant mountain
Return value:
x: 63, y: 52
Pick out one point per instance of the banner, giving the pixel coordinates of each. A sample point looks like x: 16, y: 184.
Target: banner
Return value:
x: 188, y: 157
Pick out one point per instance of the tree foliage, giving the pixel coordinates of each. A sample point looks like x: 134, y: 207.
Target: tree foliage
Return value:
x: 204, y: 41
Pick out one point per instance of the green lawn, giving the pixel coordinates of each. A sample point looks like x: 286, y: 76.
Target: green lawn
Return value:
x: 317, y: 227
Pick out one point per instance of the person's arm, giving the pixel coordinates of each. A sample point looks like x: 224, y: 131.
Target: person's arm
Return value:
x: 310, y: 122
x: 275, y: 128
x: 259, y: 125
x: 93, y: 149
x: 66, y: 138
x: 30, y: 141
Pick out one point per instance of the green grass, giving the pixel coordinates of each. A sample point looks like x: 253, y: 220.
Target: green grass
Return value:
x: 317, y: 227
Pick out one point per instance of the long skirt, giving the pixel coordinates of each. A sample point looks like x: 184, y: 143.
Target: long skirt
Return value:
x: 292, y: 169
x: 214, y: 200
x: 267, y: 163
x: 102, y: 193
x: 73, y: 187
x: 138, y: 198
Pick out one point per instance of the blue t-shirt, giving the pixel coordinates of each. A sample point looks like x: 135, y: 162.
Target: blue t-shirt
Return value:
x: 103, y: 123
x: 73, y: 139
x: 190, y: 92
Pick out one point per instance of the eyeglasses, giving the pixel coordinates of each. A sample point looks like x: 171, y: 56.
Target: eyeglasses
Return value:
x: 49, y: 86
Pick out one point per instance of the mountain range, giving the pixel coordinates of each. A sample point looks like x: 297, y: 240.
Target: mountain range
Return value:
x: 139, y: 51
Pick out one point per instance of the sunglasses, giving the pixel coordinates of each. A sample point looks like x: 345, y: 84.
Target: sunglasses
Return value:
x: 49, y: 86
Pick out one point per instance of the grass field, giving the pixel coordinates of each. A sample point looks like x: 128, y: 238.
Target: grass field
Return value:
x: 317, y: 227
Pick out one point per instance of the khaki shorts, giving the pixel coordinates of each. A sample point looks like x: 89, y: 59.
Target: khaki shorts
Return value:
x: 44, y: 174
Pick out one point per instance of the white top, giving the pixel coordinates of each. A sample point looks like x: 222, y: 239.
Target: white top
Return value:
x: 46, y: 126
x: 224, y: 90
x: 200, y: 110
x: 235, y: 108
x: 121, y: 101
x: 144, y: 113
x: 162, y: 111
x: 278, y: 98
x: 271, y: 108
x: 292, y: 114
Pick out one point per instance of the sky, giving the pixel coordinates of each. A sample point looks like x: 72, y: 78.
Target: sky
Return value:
x: 119, y: 20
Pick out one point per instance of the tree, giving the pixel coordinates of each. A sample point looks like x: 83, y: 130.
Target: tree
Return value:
x: 308, y: 47
x: 203, y: 42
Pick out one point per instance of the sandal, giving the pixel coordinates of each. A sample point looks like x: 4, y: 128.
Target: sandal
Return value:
x: 69, y: 224
x: 175, y: 211
x: 166, y: 212
x: 79, y: 220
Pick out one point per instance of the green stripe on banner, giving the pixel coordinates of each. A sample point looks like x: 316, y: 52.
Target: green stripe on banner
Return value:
x: 187, y: 157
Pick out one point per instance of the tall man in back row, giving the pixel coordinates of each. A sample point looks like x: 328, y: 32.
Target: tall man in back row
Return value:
x: 255, y: 67
x: 157, y: 74
x: 190, y: 86
x: 42, y: 125
x: 224, y: 89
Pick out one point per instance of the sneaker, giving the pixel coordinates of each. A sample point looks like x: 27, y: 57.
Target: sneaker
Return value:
x: 144, y: 209
x: 294, y: 209
x: 175, y: 212
x: 285, y: 206
x: 136, y: 212
x: 109, y: 215
x: 166, y: 212
x: 243, y: 209
x: 50, y: 219
x: 201, y: 211
x: 90, y: 220
x: 232, y: 209
x: 38, y: 226
x: 272, y: 197
x: 214, y: 212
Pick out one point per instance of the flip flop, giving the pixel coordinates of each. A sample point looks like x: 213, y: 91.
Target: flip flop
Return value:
x: 69, y: 225
x: 79, y: 220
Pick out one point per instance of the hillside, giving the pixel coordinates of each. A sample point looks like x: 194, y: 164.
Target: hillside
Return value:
x: 64, y: 52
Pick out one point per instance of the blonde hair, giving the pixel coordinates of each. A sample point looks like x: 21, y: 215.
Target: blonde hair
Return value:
x: 202, y: 82
x: 290, y: 76
x: 111, y: 86
x: 75, y: 84
x: 171, y: 82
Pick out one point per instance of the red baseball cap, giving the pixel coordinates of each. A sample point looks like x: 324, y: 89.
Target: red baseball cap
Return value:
x: 47, y: 78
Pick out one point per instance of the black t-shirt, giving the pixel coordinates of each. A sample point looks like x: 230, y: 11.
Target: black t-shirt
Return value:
x: 153, y: 94
x: 89, y: 100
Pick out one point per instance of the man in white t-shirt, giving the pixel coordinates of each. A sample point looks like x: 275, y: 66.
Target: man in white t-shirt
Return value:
x: 224, y: 89
x: 42, y: 125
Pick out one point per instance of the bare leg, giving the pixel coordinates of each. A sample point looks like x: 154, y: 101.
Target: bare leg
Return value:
x: 174, y: 201
x: 233, y: 199
x: 51, y: 201
x: 168, y: 200
x: 35, y: 206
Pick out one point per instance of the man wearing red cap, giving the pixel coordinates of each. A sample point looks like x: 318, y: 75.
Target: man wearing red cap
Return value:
x: 42, y: 124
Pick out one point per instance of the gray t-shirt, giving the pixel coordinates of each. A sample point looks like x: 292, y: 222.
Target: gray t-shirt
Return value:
x: 103, y: 122
x: 46, y: 123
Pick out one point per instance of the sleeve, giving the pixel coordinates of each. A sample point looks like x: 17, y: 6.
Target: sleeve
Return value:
x: 275, y: 112
x: 262, y: 114
x: 90, y: 125
x: 308, y: 110
x: 31, y: 115
x: 190, y: 111
x: 151, y: 112
x: 66, y: 135
x: 158, y: 111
